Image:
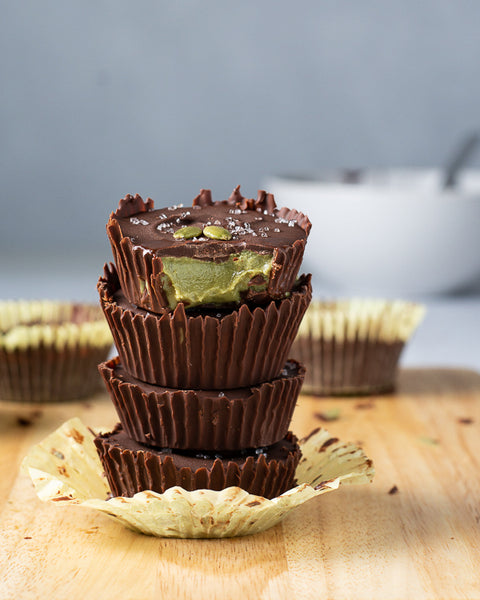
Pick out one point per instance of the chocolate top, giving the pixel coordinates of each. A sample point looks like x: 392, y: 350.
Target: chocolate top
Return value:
x: 195, y: 460
x: 255, y: 225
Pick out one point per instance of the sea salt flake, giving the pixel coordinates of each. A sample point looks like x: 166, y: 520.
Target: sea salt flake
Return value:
x: 137, y: 221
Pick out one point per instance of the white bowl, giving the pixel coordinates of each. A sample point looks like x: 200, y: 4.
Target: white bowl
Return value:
x: 391, y: 231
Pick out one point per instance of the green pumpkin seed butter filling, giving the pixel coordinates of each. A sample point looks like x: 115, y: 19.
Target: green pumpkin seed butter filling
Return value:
x: 211, y: 252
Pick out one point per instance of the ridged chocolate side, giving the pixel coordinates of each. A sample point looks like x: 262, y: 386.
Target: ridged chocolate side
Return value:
x: 134, y: 264
x: 241, y: 348
x: 45, y: 374
x: 348, y: 367
x: 207, y: 420
x: 134, y: 469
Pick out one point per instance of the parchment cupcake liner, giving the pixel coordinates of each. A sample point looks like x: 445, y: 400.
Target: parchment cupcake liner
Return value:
x: 65, y: 469
x: 352, y: 347
x: 131, y: 467
x: 217, y: 350
x: 140, y: 272
x: 199, y: 419
x: 49, y: 351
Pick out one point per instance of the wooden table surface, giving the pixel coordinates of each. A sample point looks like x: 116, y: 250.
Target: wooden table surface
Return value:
x: 423, y: 541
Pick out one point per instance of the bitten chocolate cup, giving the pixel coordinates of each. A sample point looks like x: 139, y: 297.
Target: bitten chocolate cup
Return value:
x: 353, y: 347
x: 212, y: 253
x: 131, y: 467
x: 209, y: 350
x: 198, y: 419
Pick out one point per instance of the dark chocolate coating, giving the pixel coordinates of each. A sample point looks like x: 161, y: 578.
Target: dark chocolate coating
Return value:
x: 199, y: 419
x: 348, y: 367
x: 219, y: 350
x: 131, y: 467
x: 140, y: 236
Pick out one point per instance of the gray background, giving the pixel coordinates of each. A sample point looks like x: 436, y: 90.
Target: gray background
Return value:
x: 100, y: 98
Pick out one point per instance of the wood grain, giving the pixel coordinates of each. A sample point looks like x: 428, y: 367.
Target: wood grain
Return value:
x: 359, y: 542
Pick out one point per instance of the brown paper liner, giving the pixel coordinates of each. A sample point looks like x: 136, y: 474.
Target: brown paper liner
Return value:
x: 208, y: 420
x: 342, y: 368
x: 239, y: 348
x: 352, y: 347
x: 46, y: 374
x: 134, y: 264
x: 131, y: 468
x: 49, y: 350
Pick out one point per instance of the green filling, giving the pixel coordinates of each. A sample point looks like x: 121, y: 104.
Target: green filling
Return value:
x: 195, y: 281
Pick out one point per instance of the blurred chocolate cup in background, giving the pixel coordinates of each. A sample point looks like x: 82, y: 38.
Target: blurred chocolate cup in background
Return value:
x: 49, y: 351
x: 353, y: 347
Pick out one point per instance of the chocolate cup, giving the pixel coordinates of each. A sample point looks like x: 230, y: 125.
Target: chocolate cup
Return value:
x: 48, y: 374
x: 135, y: 264
x: 208, y: 420
x: 131, y: 467
x: 220, y: 349
x: 348, y: 367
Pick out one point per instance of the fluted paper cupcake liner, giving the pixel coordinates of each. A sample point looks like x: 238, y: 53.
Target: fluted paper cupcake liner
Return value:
x: 131, y: 467
x: 66, y: 469
x: 49, y: 351
x: 141, y: 274
x: 198, y: 419
x: 353, y: 346
x: 223, y: 350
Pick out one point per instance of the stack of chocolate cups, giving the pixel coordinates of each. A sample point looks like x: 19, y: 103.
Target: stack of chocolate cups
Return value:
x: 204, y: 304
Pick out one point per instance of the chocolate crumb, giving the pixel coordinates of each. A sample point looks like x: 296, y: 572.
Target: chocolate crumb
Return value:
x: 465, y: 420
x: 27, y: 421
x: 393, y: 490
x: 364, y: 405
x: 27, y: 537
